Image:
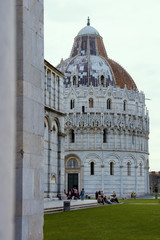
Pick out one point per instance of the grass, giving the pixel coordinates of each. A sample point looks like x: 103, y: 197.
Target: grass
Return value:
x: 118, y: 221
x: 141, y: 200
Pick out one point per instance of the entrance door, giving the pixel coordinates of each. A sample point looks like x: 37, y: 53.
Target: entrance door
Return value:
x: 72, y: 180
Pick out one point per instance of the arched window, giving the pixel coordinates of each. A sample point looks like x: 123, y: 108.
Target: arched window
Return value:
x: 72, y: 163
x: 74, y: 80
x: 140, y: 169
x: 102, y: 80
x: 133, y: 134
x: 92, y: 168
x: 46, y: 130
x: 53, y: 178
x: 104, y: 135
x: 109, y: 103
x: 72, y: 103
x: 129, y: 169
x: 137, y: 107
x: 111, y: 168
x: 72, y: 136
x: 124, y: 105
x: 90, y: 102
x: 83, y: 109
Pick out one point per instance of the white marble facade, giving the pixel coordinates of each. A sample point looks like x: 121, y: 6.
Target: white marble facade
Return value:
x: 53, y: 132
x: 105, y: 125
x: 113, y: 141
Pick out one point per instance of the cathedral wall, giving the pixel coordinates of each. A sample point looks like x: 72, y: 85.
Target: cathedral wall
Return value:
x: 54, y: 132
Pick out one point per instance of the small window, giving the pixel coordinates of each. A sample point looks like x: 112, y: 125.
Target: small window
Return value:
x: 92, y: 168
x: 111, y: 168
x: 53, y: 178
x: 104, y: 135
x: 69, y: 165
x: 74, y: 80
x: 124, y: 105
x: 137, y: 107
x: 102, y: 80
x: 72, y: 136
x: 108, y: 103
x: 72, y: 103
x: 133, y: 138
x: 129, y: 169
x: 72, y: 163
x: 140, y: 168
x: 91, y: 103
x: 83, y: 109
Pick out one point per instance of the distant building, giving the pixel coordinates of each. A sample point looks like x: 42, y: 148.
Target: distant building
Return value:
x: 154, y: 179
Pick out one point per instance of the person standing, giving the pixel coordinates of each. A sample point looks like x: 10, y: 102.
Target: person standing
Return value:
x: 82, y: 194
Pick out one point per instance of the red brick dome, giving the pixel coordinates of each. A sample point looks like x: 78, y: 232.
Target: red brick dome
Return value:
x: 89, y: 62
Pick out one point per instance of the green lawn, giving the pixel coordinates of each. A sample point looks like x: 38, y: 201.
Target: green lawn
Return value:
x: 141, y: 200
x: 110, y: 222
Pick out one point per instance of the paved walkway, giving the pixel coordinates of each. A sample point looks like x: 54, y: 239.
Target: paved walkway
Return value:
x: 59, y: 203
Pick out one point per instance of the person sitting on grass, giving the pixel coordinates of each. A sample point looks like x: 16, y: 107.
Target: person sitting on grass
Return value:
x: 113, y: 197
x: 106, y: 200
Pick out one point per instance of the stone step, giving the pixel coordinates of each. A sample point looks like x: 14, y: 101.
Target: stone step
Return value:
x: 72, y: 207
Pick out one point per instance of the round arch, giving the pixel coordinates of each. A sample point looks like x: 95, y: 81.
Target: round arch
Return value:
x: 73, y: 172
x: 129, y: 158
x: 91, y: 157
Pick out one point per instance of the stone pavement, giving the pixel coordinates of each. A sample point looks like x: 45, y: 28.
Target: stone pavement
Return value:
x: 56, y: 205
x: 59, y: 203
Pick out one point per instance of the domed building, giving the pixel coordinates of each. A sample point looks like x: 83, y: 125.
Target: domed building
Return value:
x: 106, y: 122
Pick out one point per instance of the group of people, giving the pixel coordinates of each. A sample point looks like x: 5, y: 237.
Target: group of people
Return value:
x: 103, y: 199
x: 74, y: 194
x: 99, y: 195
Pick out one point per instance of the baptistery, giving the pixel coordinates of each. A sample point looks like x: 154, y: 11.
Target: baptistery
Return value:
x: 106, y: 123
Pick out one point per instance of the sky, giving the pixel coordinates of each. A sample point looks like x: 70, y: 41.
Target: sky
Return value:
x: 131, y: 35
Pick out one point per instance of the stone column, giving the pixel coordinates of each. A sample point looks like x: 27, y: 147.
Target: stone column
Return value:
x: 121, y: 177
x: 102, y: 172
x: 7, y: 118
x: 61, y: 165
x: 45, y: 87
x: 82, y: 175
x: 30, y: 120
x: 136, y: 180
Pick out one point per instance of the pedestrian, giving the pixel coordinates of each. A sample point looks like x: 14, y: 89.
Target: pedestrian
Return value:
x: 82, y: 194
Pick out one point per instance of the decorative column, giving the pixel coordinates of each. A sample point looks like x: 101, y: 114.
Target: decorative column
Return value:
x: 102, y: 171
x: 121, y: 177
x: 7, y: 118
x: 49, y: 160
x: 61, y: 163
x: 45, y: 93
x: 52, y: 93
x: 146, y: 172
x: 82, y: 177
x: 136, y: 180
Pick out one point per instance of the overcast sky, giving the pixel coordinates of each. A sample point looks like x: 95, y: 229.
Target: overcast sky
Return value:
x: 131, y: 35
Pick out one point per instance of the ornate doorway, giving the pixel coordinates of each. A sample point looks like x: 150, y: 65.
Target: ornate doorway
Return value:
x: 73, y: 173
x: 72, y: 180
